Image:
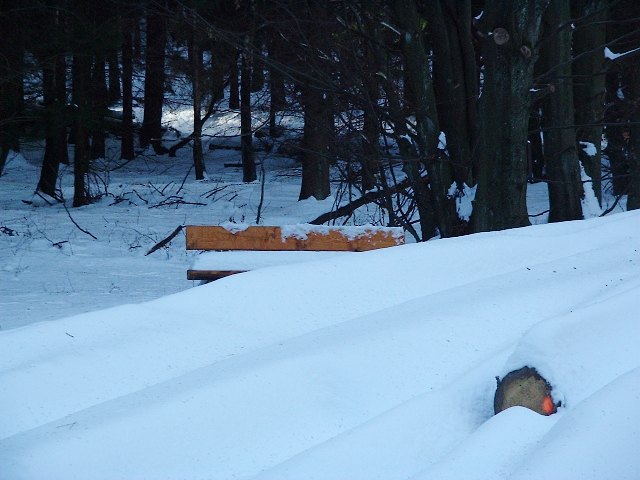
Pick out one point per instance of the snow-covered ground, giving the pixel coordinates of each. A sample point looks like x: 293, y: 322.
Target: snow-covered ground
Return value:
x: 377, y: 365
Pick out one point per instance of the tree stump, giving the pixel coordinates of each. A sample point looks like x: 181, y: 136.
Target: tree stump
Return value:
x: 526, y: 388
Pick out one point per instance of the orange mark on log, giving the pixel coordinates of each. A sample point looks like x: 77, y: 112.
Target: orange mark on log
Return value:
x: 547, y: 405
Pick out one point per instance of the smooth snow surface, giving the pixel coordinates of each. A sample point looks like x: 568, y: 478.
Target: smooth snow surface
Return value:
x: 379, y: 365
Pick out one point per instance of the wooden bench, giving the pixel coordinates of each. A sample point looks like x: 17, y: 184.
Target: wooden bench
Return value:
x: 294, y: 238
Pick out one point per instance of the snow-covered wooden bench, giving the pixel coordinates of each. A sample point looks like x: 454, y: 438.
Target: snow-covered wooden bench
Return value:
x: 274, y: 245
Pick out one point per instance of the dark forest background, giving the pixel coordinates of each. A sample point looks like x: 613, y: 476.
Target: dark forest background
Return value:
x: 523, y: 90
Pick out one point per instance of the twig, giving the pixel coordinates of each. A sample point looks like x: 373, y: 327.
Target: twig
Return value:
x: 164, y: 242
x: 76, y: 224
x: 262, y: 182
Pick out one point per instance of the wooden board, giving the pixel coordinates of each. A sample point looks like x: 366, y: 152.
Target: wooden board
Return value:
x: 271, y: 238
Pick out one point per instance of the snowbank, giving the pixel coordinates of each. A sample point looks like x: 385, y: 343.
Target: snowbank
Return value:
x: 376, y: 365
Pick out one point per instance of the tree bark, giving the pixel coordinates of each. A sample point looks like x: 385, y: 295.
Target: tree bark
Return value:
x: 53, y: 65
x: 127, y: 146
x: 561, y: 157
x: 315, y: 156
x: 82, y: 149
x: 114, y: 76
x: 54, y: 96
x: 151, y: 131
x: 195, y: 59
x: 276, y: 85
x: 589, y: 85
x: 455, y: 76
x: 11, y: 82
x: 234, y: 85
x: 248, y: 156
x: 418, y: 80
x: 633, y: 185
x: 99, y: 103
x: 509, y: 55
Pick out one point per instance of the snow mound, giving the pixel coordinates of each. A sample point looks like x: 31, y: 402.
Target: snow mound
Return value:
x: 379, y: 365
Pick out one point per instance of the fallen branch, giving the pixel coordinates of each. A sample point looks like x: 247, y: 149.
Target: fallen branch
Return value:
x: 368, y: 197
x: 165, y: 241
x: 76, y: 224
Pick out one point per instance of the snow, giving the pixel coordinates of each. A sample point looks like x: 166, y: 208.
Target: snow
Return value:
x: 371, y: 365
x: 609, y: 55
x: 589, y: 148
x: 464, y: 199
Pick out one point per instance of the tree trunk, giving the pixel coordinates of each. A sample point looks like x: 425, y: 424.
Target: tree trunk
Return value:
x: 370, y: 160
x: 114, y: 76
x: 455, y: 78
x: 54, y: 95
x: 418, y: 79
x: 248, y: 155
x: 151, y: 131
x: 509, y: 56
x: 11, y: 81
x: 234, y: 85
x: 127, y: 147
x: 633, y: 185
x: 276, y: 85
x: 589, y: 85
x: 315, y: 156
x: 195, y: 59
x: 99, y: 103
x: 82, y: 151
x: 257, y: 63
x: 561, y: 158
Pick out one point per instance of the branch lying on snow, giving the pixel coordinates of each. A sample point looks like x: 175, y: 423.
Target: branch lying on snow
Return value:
x: 368, y: 197
x: 76, y: 224
x: 166, y: 241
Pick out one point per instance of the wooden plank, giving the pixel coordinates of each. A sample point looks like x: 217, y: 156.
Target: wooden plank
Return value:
x: 272, y: 238
x: 210, y: 274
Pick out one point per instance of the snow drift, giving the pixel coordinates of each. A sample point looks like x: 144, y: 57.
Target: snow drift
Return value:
x: 377, y: 365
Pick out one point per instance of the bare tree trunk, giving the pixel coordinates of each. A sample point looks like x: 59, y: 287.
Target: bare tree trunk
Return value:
x: 55, y: 153
x: 82, y: 150
x: 633, y: 185
x: 114, y: 76
x: 11, y: 82
x: 276, y: 85
x: 561, y: 158
x: 127, y: 147
x: 54, y: 97
x: 151, y: 131
x: 418, y: 79
x: 234, y: 85
x: 248, y: 156
x: 315, y: 156
x: 509, y: 56
x: 195, y: 59
x: 589, y: 85
x: 456, y: 83
x: 99, y: 102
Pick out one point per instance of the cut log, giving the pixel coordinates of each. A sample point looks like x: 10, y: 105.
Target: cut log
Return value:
x: 524, y: 387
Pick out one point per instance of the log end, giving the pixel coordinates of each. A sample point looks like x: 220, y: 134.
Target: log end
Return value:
x: 527, y: 388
